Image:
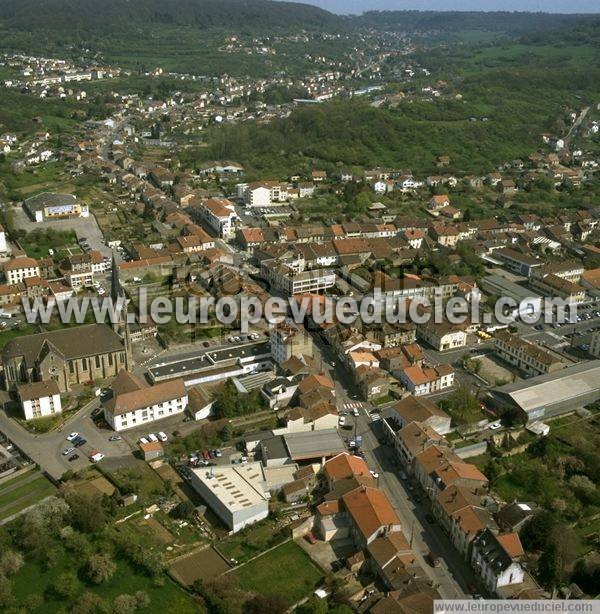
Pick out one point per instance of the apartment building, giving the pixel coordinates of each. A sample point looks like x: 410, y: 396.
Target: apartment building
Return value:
x: 134, y: 403
x: 285, y: 280
x: 529, y: 357
x: 219, y: 214
x: 18, y: 269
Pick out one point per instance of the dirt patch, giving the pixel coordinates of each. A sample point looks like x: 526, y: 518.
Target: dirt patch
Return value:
x: 203, y: 564
x: 95, y: 486
x: 161, y: 534
x: 494, y: 371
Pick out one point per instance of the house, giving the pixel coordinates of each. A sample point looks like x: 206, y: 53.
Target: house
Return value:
x: 134, y: 403
x: 342, y: 467
x: 219, y: 214
x: 371, y: 515
x: 319, y: 176
x: 152, y: 450
x: 20, y: 268
x: 422, y: 380
x: 420, y: 410
x: 442, y: 161
x: 288, y: 339
x: 39, y: 399
x: 445, y: 235
x: 443, y: 336
x: 412, y: 439
x: 438, y: 202
x: 495, y: 559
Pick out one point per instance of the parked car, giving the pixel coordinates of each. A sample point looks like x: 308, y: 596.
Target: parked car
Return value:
x: 356, y: 412
x: 95, y: 456
x: 218, y: 453
x: 342, y: 420
x: 433, y: 559
x: 68, y: 450
x: 72, y: 436
x: 495, y: 426
x: 73, y: 457
x: 143, y: 440
x: 153, y: 438
x: 115, y: 438
x: 374, y: 473
x: 79, y: 442
x: 162, y: 436
x: 310, y: 538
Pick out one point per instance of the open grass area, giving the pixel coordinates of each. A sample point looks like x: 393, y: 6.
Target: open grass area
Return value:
x: 33, y: 578
x: 287, y: 570
x: 23, y: 491
x: 251, y: 541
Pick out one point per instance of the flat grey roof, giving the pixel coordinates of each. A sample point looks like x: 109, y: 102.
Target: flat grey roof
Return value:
x: 49, y: 199
x: 552, y: 388
x: 274, y: 447
x: 312, y: 444
x: 497, y: 283
x: 201, y: 361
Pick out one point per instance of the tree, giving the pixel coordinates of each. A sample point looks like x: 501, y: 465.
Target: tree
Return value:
x: 537, y: 531
x: 226, y: 432
x: 66, y: 585
x: 90, y: 603
x: 462, y: 406
x: 100, y: 568
x: 87, y: 512
x: 10, y: 562
x: 184, y: 510
x: 550, y: 566
x: 6, y: 596
x: 124, y: 604
x: 142, y: 599
x: 313, y: 606
x: 274, y: 604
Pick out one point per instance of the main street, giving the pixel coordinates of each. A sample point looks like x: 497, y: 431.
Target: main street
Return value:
x: 453, y: 577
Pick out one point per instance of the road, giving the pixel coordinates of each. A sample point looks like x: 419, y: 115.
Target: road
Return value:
x: 453, y: 576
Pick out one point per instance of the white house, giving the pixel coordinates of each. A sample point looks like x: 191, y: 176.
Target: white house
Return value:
x: 421, y: 380
x: 133, y: 402
x: 18, y: 269
x: 39, y: 399
x: 219, y: 214
x: 495, y: 559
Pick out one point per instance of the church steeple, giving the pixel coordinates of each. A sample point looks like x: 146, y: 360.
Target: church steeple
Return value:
x: 119, y: 301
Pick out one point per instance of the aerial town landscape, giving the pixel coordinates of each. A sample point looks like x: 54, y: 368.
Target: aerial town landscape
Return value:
x: 234, y: 240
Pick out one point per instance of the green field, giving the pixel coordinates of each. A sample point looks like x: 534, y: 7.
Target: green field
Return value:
x: 33, y: 578
x: 285, y: 571
x: 20, y: 492
x: 248, y: 543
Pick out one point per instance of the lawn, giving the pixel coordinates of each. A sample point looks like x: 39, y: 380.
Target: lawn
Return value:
x: 285, y: 571
x: 35, y: 579
x: 254, y: 539
x: 13, y: 333
x: 18, y: 494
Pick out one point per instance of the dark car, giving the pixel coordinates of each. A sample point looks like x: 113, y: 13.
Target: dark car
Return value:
x: 433, y: 559
x: 73, y: 457
x: 79, y: 443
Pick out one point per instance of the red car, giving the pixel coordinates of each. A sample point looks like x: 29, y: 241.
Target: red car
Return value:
x: 310, y: 538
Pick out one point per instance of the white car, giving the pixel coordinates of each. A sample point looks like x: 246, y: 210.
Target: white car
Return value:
x: 342, y: 421
x: 95, y: 456
x: 355, y: 411
x: 162, y: 436
x: 374, y: 473
x: 72, y: 436
x: 152, y: 437
x: 495, y: 426
x: 68, y: 450
x: 143, y: 440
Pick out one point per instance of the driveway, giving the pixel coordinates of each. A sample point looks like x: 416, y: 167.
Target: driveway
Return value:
x: 46, y: 449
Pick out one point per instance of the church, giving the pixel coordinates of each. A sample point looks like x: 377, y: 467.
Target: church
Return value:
x: 74, y: 355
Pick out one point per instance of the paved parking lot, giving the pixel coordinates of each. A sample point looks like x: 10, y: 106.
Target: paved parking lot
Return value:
x: 83, y: 227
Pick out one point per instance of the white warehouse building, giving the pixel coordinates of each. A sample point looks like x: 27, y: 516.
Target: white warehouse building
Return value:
x: 238, y: 494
